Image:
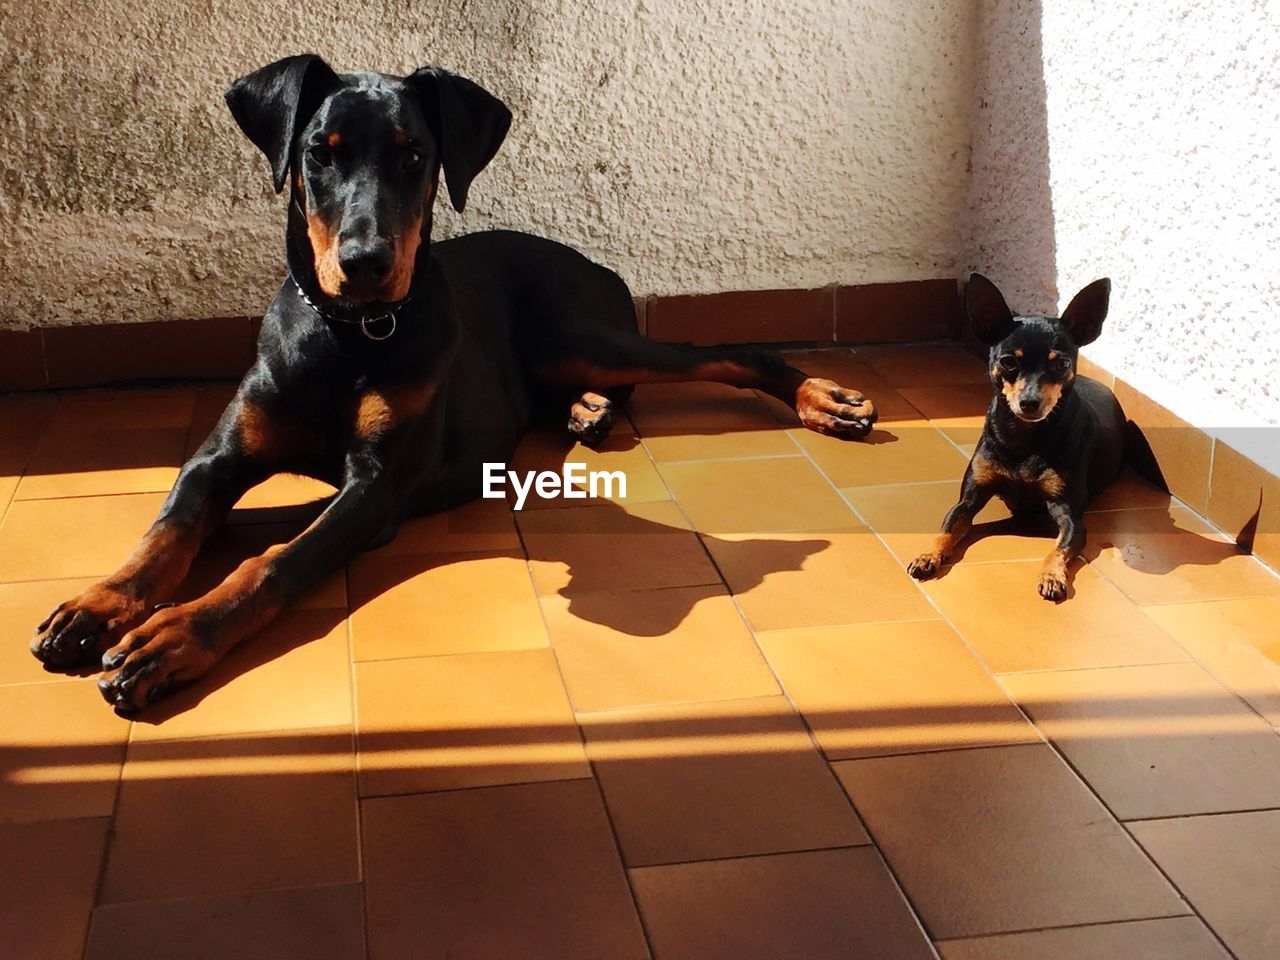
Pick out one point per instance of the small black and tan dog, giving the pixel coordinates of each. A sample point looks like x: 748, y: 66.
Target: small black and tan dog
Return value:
x: 389, y: 366
x: 1052, y: 439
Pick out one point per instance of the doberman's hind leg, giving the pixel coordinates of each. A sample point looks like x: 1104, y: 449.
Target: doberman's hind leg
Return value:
x: 611, y: 359
x: 591, y: 418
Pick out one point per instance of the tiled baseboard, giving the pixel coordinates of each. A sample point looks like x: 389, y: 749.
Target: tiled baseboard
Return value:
x: 105, y: 354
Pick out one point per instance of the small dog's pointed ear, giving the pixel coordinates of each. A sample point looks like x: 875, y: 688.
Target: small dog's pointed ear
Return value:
x: 1086, y: 311
x: 274, y: 103
x: 989, y: 316
x: 468, y: 122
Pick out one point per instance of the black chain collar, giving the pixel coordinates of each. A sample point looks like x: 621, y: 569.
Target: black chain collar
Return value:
x: 370, y: 326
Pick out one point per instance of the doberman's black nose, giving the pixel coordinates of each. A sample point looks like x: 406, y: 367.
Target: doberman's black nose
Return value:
x: 365, y: 261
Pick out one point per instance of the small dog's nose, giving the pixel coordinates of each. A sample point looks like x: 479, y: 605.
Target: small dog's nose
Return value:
x: 1029, y: 404
x: 365, y: 261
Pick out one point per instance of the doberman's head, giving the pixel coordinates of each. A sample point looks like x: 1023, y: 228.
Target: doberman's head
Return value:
x: 365, y: 151
x: 1033, y: 358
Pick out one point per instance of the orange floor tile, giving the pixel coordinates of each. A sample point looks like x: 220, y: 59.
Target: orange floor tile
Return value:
x: 710, y: 718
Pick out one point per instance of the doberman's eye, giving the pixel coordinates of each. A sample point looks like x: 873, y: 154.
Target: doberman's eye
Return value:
x: 412, y: 159
x: 1009, y: 363
x: 320, y: 154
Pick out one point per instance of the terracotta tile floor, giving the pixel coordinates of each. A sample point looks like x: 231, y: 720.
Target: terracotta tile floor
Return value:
x: 712, y: 719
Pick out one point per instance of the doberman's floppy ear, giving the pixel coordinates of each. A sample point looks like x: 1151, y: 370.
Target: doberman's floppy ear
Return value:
x: 989, y: 316
x: 274, y: 103
x: 468, y: 122
x: 1086, y: 311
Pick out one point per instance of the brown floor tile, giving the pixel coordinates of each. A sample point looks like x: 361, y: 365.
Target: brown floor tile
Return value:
x: 906, y: 452
x: 1176, y: 938
x: 1226, y: 866
x: 622, y: 453
x: 1001, y: 839
x: 956, y: 405
x: 319, y: 923
x: 1237, y: 640
x: 439, y: 723
x: 48, y: 875
x: 526, y: 871
x: 481, y: 526
x: 909, y: 516
x: 678, y: 445
x: 22, y: 365
x: 211, y: 400
x: 22, y: 606
x: 711, y: 780
x: 824, y: 905
x: 423, y: 606
x: 892, y: 688
x: 277, y: 493
x: 731, y: 496
x: 294, y: 675
x: 996, y: 608
x: 79, y: 537
x: 639, y: 546
x: 1156, y: 741
x: 1087, y: 368
x: 925, y: 364
x: 106, y: 462
x: 886, y: 312
x: 232, y: 815
x: 816, y: 579
x: 739, y: 316
x: 62, y: 751
x: 237, y: 542
x: 1167, y: 556
x: 698, y: 408
x: 1130, y: 492
x: 645, y: 647
x: 1183, y: 452
x: 97, y: 410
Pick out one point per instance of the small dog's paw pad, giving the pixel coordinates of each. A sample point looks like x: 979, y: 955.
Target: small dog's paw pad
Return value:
x: 1052, y: 587
x: 924, y: 566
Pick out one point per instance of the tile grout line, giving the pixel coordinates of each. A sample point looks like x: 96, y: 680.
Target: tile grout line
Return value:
x: 582, y: 742
x: 355, y: 760
x: 1063, y: 926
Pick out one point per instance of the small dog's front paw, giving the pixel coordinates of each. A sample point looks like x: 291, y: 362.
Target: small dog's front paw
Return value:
x: 1052, y: 587
x: 591, y: 418
x: 828, y: 408
x: 925, y: 566
x: 76, y: 633
x: 161, y: 655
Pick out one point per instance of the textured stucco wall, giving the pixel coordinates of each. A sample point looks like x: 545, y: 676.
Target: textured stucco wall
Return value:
x: 693, y: 146
x: 1160, y: 125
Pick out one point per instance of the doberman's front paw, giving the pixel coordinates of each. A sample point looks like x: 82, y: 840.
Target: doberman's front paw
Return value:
x: 1053, y: 587
x: 591, y: 418
x: 826, y: 407
x: 925, y: 566
x: 165, y: 653
x: 76, y: 633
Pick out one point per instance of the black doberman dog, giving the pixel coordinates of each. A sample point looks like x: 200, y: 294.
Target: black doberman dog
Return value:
x: 389, y: 366
x: 1051, y: 439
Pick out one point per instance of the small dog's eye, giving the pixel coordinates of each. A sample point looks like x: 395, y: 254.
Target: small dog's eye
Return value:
x: 1062, y: 364
x: 1008, y: 364
x: 320, y: 154
x: 412, y: 159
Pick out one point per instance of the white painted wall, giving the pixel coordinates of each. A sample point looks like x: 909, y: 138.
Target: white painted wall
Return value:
x: 1160, y: 123
x: 693, y: 146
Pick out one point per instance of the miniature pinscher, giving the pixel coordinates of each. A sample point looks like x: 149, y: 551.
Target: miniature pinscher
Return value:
x: 389, y: 365
x: 1052, y: 439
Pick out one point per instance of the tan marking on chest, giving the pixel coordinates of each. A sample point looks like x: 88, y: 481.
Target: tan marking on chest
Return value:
x: 269, y: 438
x: 381, y: 410
x: 988, y: 473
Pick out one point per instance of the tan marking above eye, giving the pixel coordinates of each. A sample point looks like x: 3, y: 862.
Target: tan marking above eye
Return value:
x: 333, y: 139
x: 400, y: 138
x: 1018, y: 353
x: 1053, y: 354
